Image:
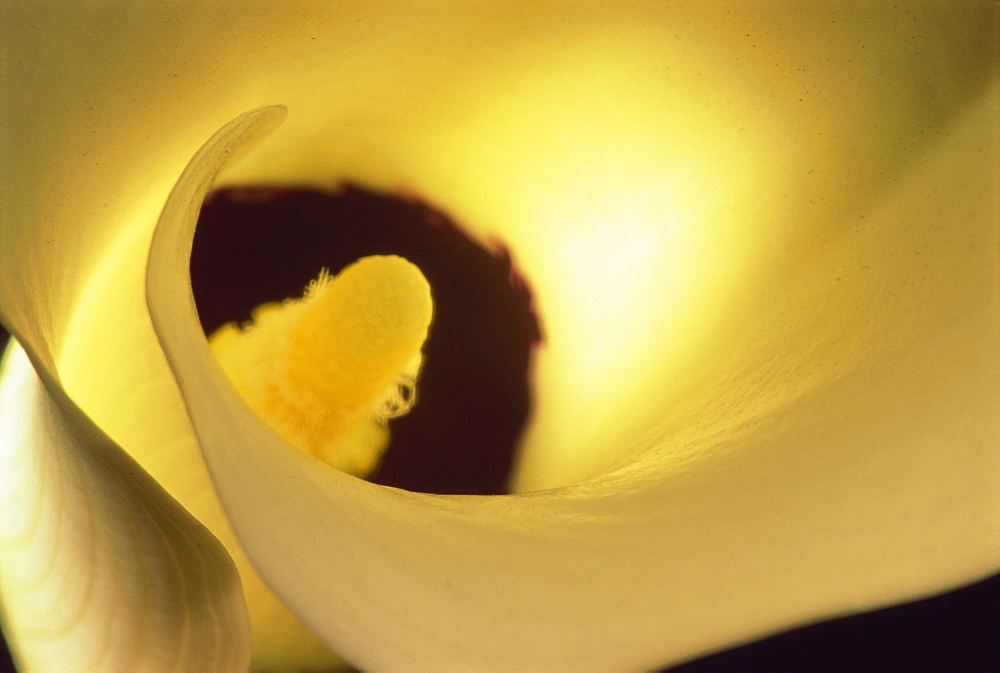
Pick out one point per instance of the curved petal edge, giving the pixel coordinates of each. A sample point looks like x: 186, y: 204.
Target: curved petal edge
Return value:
x: 865, y: 491
x: 101, y: 569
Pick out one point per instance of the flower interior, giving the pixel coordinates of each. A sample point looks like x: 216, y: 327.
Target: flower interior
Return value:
x: 455, y: 429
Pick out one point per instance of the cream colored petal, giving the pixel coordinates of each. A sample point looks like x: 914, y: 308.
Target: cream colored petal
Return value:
x: 733, y: 141
x: 875, y: 482
x: 100, y: 570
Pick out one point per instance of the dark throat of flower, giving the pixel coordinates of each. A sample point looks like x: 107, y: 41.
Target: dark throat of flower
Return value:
x: 258, y: 246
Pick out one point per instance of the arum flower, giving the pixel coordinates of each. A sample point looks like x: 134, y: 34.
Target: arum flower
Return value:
x: 764, y: 243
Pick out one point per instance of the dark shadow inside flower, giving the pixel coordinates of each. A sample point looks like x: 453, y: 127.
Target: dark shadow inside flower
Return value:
x: 258, y: 244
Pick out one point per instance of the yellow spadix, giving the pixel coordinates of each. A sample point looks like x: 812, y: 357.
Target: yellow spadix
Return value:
x: 327, y: 370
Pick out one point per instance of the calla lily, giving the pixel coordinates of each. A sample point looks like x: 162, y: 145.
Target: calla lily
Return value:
x: 764, y: 244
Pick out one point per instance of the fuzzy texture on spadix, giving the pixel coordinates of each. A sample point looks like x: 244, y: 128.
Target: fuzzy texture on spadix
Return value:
x: 762, y: 236
x: 326, y: 371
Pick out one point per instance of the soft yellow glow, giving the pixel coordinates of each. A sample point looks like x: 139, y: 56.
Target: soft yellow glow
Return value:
x: 89, y: 542
x: 327, y: 370
x: 637, y: 235
x: 173, y: 458
x: 811, y: 377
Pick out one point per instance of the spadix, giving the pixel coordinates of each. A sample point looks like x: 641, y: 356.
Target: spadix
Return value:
x: 327, y: 370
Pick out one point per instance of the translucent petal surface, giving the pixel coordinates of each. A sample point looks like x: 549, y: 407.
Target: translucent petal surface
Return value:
x: 874, y: 482
x: 100, y: 569
x: 709, y: 177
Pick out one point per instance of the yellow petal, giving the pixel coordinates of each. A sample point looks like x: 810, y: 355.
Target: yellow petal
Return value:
x: 774, y: 512
x: 101, y: 570
x: 729, y: 161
